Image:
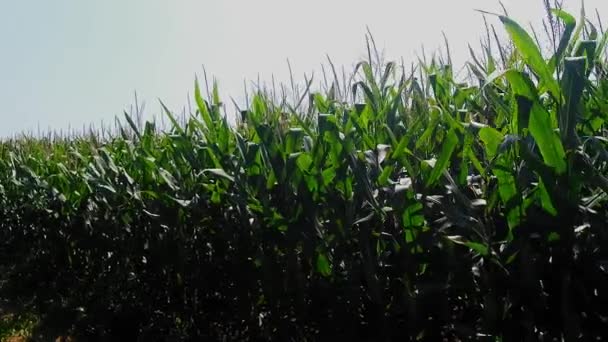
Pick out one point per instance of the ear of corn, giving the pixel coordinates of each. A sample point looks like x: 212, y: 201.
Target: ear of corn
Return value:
x: 404, y: 203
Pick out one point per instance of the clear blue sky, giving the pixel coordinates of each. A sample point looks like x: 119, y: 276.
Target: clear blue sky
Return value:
x: 73, y: 62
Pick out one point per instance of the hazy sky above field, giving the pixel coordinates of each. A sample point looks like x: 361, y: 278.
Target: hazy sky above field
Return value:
x: 74, y: 62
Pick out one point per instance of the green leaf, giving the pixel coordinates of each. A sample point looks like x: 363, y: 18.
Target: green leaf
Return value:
x: 601, y: 46
x: 384, y: 176
x: 548, y: 141
x: 219, y: 173
x: 577, y: 31
x: 545, y: 199
x: 181, y: 202
x: 586, y: 48
x: 216, y: 94
x: 569, y: 26
x: 202, y: 105
x: 168, y: 178
x: 304, y: 162
x: 323, y: 266
x: 412, y: 216
x: 491, y: 139
x: 573, y: 83
x: 174, y: 122
x: 328, y: 175
x: 133, y: 125
x: 477, y: 247
x: 530, y: 53
x: 540, y: 122
x: 553, y: 236
x: 521, y: 84
x: 507, y: 189
x: 449, y: 144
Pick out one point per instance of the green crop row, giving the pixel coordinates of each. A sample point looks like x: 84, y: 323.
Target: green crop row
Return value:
x: 404, y: 204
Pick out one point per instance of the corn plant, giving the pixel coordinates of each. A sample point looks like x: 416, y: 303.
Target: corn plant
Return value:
x: 398, y: 204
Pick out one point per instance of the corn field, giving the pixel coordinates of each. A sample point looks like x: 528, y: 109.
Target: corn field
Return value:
x: 398, y: 203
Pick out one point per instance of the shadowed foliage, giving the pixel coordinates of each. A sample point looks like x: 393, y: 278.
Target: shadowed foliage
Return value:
x: 398, y: 204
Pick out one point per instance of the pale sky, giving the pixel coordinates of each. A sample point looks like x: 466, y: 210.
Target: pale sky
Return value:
x: 73, y: 62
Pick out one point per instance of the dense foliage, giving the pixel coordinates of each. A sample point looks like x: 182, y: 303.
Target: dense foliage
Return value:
x: 397, y: 205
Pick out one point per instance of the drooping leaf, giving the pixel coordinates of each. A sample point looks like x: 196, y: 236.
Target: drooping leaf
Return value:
x: 220, y: 173
x: 531, y: 54
x: 449, y: 144
x: 548, y: 140
x: 569, y: 26
x: 168, y: 178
